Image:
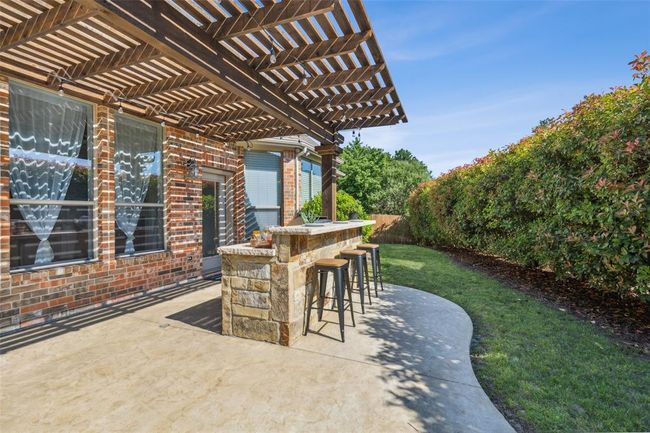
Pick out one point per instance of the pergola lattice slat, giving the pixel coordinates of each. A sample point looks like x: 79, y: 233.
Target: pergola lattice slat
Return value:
x: 362, y: 112
x: 171, y: 32
x: 311, y: 52
x: 210, y: 101
x: 272, y: 16
x: 353, y: 97
x: 213, y: 118
x: 350, y: 76
x: 110, y: 62
x: 177, y: 82
x: 49, y: 21
x: 205, y: 66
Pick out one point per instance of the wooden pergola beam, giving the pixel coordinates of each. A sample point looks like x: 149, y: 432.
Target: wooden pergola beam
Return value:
x: 150, y: 88
x: 270, y: 16
x: 225, y: 116
x: 367, y: 123
x: 340, y: 78
x: 160, y: 25
x: 109, y: 62
x: 50, y: 21
x: 231, y: 130
x: 311, y: 52
x: 356, y: 113
x: 258, y: 135
x: 210, y: 101
x: 353, y: 97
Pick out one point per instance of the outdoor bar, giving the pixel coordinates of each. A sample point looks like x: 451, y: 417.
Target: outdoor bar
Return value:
x: 264, y: 290
x: 184, y: 126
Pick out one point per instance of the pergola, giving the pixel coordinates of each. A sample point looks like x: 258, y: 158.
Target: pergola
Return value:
x: 231, y: 70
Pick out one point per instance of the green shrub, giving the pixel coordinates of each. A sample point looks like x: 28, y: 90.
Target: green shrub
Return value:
x: 346, y: 205
x: 574, y: 196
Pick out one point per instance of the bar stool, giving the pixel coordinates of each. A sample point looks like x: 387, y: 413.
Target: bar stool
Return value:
x: 373, y: 249
x: 339, y: 268
x: 360, y: 267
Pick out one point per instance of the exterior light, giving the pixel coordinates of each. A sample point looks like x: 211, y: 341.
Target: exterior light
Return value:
x: 61, y: 92
x: 191, y: 168
x: 120, y: 110
x: 273, y: 58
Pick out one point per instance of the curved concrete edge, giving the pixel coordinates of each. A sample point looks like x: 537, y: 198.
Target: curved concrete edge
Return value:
x: 476, y: 411
x: 422, y: 343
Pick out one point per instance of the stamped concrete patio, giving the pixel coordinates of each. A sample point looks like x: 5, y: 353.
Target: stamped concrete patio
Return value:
x: 405, y: 367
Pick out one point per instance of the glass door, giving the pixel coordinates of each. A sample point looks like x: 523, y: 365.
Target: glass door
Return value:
x: 210, y: 199
x: 213, y: 203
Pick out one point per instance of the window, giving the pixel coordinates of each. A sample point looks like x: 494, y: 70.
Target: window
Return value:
x: 263, y: 199
x: 50, y: 178
x: 138, y: 186
x: 310, y: 180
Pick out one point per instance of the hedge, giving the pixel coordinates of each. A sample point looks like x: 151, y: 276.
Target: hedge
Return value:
x: 573, y: 197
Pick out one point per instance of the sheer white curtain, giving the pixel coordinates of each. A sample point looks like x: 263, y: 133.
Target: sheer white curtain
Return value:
x: 136, y: 145
x: 45, y: 134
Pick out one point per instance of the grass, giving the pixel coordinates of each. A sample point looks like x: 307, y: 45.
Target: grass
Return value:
x: 552, y: 370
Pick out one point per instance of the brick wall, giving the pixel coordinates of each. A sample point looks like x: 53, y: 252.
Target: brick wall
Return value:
x: 28, y: 297
x: 288, y: 186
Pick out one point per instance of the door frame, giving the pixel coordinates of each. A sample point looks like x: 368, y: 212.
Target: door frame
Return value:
x: 225, y: 210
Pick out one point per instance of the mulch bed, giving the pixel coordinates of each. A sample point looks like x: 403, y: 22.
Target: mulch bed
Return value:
x: 627, y: 318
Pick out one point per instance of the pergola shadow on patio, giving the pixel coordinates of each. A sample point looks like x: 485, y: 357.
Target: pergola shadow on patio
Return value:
x: 405, y: 367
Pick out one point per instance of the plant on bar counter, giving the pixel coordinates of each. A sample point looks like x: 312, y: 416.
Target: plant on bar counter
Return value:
x: 308, y: 216
x: 346, y: 205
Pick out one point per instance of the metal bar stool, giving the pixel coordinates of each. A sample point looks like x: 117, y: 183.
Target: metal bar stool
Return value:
x: 373, y: 249
x: 339, y: 268
x: 357, y: 258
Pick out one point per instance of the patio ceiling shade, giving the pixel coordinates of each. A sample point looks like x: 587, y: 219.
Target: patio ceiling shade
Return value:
x: 233, y: 70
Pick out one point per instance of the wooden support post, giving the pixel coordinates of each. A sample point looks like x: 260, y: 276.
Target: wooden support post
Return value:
x: 328, y: 153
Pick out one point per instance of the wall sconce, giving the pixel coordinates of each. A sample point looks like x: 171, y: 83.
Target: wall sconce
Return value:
x: 191, y: 168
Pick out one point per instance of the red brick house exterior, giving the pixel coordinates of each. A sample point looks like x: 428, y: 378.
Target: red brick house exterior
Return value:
x: 29, y: 296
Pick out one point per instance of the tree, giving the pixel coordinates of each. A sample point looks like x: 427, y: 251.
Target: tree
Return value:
x: 380, y: 181
x: 364, y: 169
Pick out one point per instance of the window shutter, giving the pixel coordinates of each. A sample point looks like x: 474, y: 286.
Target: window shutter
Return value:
x: 263, y: 190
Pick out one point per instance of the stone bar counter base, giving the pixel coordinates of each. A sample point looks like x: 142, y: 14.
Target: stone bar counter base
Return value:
x: 264, y: 290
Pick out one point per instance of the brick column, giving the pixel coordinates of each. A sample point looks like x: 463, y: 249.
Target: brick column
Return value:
x: 288, y: 186
x: 328, y: 153
x: 103, y: 176
x: 239, y: 196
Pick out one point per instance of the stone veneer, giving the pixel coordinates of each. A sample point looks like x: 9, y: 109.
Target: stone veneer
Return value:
x: 264, y: 291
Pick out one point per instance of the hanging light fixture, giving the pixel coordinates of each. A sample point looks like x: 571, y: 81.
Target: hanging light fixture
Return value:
x: 162, y: 123
x: 304, y: 78
x: 273, y: 58
x: 61, y: 92
x: 120, y: 110
x: 329, y: 103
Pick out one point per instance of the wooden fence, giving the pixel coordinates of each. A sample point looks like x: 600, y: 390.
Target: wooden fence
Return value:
x: 391, y: 229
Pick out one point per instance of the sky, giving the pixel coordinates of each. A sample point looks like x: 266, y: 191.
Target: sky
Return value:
x: 479, y: 75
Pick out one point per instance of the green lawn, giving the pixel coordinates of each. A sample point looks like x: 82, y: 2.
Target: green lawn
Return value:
x: 555, y: 372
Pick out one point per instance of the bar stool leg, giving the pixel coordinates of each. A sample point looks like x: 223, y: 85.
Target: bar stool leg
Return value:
x: 381, y: 276
x: 359, y: 271
x: 349, y: 288
x: 375, y: 268
x: 367, y: 285
x: 321, y: 297
x: 310, y: 302
x: 340, y: 299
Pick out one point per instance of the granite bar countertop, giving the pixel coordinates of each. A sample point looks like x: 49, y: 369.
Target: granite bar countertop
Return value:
x: 246, y: 250
x: 304, y: 230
